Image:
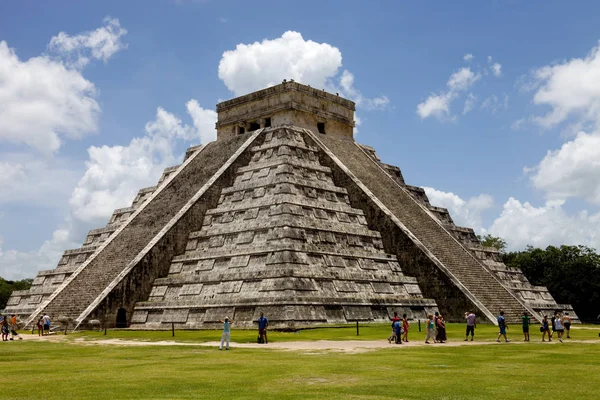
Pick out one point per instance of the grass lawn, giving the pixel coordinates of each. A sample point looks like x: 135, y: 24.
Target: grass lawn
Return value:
x: 45, y: 369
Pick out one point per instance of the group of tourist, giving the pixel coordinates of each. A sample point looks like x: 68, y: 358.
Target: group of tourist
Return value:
x: 435, y: 327
x: 263, y: 323
x: 9, y: 327
x: 558, y: 324
x: 43, y: 325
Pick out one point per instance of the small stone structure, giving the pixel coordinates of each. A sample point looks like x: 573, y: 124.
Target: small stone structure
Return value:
x: 283, y: 214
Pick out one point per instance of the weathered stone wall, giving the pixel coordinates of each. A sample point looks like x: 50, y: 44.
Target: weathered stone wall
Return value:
x: 283, y: 240
x: 285, y: 104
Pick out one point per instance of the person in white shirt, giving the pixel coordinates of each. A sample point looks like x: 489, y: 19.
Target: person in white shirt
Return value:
x: 471, y: 324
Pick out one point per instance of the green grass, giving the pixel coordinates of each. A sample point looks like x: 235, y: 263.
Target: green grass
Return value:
x: 484, y: 332
x: 44, y: 369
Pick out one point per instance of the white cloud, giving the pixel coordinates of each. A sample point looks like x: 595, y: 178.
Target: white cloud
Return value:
x: 115, y: 173
x: 435, y: 106
x: 357, y: 122
x: 466, y: 213
x: 99, y: 44
x: 16, y: 265
x: 496, y: 69
x: 27, y: 179
x: 468, y: 57
x: 438, y: 105
x: 469, y: 103
x: 113, y: 176
x: 347, y: 88
x: 42, y: 101
x: 571, y: 171
x: 570, y: 89
x: 522, y: 224
x: 494, y: 104
x: 204, y: 121
x: 258, y: 65
x: 462, y: 80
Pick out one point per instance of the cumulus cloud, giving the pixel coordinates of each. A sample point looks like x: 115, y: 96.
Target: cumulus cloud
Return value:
x: 204, y: 121
x: 258, y: 65
x: 438, y: 105
x: 27, y: 179
x: 251, y: 67
x: 466, y: 213
x: 571, y: 171
x: 522, y: 224
x: 495, y: 104
x: 469, y: 103
x: 114, y: 174
x: 43, y: 100
x: 468, y: 57
x: 495, y: 68
x: 570, y: 89
x: 99, y: 44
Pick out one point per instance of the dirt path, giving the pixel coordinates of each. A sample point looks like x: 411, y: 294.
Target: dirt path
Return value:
x: 348, y: 346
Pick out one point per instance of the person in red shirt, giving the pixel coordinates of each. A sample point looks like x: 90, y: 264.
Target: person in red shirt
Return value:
x: 405, y: 326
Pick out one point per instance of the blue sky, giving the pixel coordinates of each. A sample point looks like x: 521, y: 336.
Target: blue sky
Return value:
x: 492, y: 106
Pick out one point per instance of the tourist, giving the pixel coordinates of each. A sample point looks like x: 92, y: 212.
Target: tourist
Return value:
x: 471, y: 323
x: 553, y: 320
x: 40, y: 326
x: 13, y: 327
x: 567, y: 323
x: 441, y: 329
x: 435, y: 325
x: 394, y: 337
x: 503, y: 327
x: 545, y: 329
x: 4, y: 329
x: 405, y: 326
x: 46, y: 319
x: 397, y: 328
x: 430, y: 329
x: 263, y: 322
x: 525, y: 321
x: 226, y: 333
x: 558, y: 327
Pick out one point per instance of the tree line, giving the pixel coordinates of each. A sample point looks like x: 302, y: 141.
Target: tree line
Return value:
x: 571, y: 273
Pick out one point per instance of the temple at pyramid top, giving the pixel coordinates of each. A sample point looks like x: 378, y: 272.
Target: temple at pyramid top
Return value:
x: 289, y: 103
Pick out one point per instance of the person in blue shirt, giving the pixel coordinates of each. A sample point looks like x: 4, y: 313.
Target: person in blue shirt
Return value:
x: 226, y: 333
x: 263, y: 322
x: 502, y: 326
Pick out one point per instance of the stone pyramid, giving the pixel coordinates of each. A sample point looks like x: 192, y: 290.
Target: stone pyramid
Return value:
x: 284, y: 214
x: 283, y: 240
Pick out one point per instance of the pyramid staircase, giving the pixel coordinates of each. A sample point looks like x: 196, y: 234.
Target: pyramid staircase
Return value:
x: 129, y: 259
x: 476, y: 282
x: 285, y: 241
x: 25, y: 302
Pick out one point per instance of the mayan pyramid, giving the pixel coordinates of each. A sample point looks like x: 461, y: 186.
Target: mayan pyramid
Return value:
x: 283, y: 214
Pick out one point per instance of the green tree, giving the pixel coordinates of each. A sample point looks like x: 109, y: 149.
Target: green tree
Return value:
x: 7, y: 287
x: 571, y: 274
x: 493, y: 241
